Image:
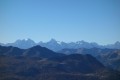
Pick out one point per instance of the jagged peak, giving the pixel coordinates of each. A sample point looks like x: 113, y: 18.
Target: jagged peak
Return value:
x: 52, y: 40
x: 81, y: 42
x: 117, y: 42
x: 25, y: 40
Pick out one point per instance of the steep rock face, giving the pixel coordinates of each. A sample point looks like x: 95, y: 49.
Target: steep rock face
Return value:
x: 23, y: 44
x: 52, y: 45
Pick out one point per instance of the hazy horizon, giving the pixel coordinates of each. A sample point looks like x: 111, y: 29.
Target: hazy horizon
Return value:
x: 58, y: 41
x: 64, y: 20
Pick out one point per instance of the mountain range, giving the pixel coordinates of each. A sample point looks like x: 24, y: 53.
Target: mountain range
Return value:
x: 40, y: 63
x: 109, y: 57
x: 57, y: 45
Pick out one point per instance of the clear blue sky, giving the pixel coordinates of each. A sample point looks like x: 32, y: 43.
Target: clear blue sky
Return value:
x: 64, y: 20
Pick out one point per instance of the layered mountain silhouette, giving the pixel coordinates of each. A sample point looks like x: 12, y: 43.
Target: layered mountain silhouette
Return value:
x: 57, y: 45
x: 40, y: 63
x: 24, y: 44
x: 109, y: 57
x: 36, y: 51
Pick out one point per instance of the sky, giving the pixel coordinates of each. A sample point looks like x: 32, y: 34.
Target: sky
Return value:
x: 64, y: 20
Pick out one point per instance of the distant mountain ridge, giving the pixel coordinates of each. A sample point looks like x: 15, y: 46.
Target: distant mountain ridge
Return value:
x: 109, y: 57
x: 40, y: 63
x: 57, y: 45
x: 35, y: 51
